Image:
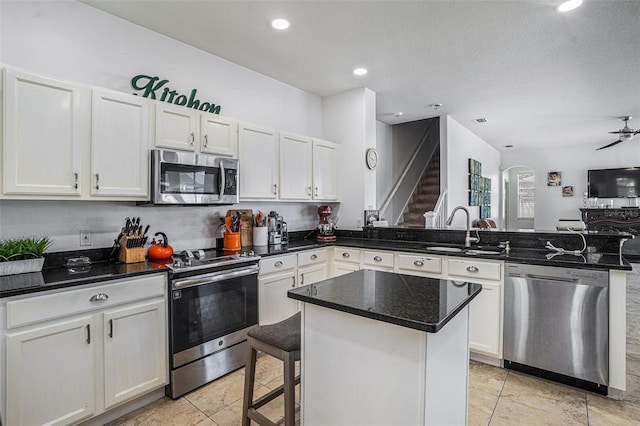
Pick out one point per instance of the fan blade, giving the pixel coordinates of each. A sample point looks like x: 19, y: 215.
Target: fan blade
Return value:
x: 611, y: 144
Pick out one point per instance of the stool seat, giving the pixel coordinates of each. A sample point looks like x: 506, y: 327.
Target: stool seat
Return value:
x: 283, y: 335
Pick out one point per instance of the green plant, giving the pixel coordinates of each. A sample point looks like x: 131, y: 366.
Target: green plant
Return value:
x: 23, y: 248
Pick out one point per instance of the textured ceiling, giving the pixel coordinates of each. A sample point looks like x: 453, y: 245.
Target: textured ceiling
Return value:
x: 539, y: 77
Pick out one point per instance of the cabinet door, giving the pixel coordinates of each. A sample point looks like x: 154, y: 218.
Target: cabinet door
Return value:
x: 50, y: 373
x: 484, y: 321
x: 295, y: 167
x: 258, y: 154
x: 45, y: 122
x: 135, y: 350
x: 325, y: 171
x: 312, y: 274
x: 274, y: 305
x: 120, y: 136
x: 176, y: 127
x: 218, y: 135
x: 342, y: 268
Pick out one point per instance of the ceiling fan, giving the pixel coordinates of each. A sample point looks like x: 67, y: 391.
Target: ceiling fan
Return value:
x: 624, y: 134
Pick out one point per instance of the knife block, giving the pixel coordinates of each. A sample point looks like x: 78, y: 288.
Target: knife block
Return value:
x: 130, y: 255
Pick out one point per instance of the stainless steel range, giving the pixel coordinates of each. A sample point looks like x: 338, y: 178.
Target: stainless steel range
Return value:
x: 214, y: 302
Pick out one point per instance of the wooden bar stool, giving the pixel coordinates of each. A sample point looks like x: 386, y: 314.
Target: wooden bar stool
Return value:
x: 280, y: 340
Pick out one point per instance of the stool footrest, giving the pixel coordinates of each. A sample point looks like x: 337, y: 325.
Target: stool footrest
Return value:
x: 265, y: 399
x: 259, y: 418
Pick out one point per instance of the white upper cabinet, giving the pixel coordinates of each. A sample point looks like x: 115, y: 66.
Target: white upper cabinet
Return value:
x: 218, y: 135
x: 258, y: 153
x: 120, y: 138
x: 295, y: 170
x: 325, y: 171
x: 176, y: 127
x: 45, y: 124
x: 183, y: 128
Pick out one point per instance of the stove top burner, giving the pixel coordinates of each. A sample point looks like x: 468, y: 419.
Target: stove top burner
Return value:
x: 189, y: 260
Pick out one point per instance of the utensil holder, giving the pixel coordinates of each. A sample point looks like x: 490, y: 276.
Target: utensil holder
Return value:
x: 260, y: 236
x: 231, y: 241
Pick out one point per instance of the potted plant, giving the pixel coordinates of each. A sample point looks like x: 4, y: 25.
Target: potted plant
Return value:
x: 21, y: 255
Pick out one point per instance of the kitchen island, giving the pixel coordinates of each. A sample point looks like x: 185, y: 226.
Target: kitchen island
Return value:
x: 381, y: 348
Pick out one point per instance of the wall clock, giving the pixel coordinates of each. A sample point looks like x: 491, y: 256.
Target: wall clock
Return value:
x: 372, y: 158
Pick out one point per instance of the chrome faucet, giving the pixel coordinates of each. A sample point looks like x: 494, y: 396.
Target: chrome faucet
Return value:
x: 468, y: 239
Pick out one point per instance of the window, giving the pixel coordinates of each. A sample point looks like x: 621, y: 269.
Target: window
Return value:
x: 526, y: 194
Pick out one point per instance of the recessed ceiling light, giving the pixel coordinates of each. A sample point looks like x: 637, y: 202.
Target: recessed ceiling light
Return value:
x: 436, y: 106
x: 360, y: 71
x: 480, y: 120
x: 508, y: 146
x: 398, y: 114
x: 569, y: 5
x: 280, y: 24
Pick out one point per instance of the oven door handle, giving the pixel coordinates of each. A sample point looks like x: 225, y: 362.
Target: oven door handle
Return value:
x: 215, y: 277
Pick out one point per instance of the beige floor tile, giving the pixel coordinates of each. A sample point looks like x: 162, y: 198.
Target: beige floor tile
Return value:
x: 562, y: 401
x: 509, y: 412
x: 231, y: 415
x: 486, y: 377
x: 481, y: 406
x: 218, y: 394
x: 164, y: 412
x: 605, y: 411
x: 268, y: 368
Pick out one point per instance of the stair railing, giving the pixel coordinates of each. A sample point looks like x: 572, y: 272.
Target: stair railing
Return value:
x: 387, y: 201
x: 438, y: 210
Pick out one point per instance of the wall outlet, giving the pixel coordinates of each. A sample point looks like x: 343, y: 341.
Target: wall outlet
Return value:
x: 85, y: 238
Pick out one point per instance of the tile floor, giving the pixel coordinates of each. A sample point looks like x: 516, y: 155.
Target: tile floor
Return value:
x: 496, y: 396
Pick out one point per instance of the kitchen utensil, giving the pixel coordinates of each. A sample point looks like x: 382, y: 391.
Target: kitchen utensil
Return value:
x: 160, y: 249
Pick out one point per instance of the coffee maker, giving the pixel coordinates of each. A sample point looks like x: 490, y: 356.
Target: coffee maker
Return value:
x: 277, y: 229
x: 326, y: 227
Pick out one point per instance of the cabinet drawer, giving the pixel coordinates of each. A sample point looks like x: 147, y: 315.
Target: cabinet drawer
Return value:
x: 310, y: 257
x: 277, y: 264
x: 378, y: 258
x: 420, y: 263
x: 350, y: 255
x: 474, y: 269
x: 40, y: 308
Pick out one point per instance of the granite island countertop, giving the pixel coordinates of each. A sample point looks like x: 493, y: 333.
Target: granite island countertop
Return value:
x: 420, y: 303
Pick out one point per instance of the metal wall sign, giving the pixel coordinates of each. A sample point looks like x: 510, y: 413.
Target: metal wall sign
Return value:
x: 154, y: 88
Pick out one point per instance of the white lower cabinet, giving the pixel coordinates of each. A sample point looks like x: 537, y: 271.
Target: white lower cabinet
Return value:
x: 51, y: 374
x: 484, y: 321
x: 277, y: 276
x: 132, y: 335
x: 377, y: 260
x: 75, y: 354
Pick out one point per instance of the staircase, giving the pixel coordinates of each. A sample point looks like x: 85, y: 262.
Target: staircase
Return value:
x: 425, y: 195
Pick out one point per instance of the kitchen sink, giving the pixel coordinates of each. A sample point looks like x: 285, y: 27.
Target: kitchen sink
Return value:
x: 447, y: 249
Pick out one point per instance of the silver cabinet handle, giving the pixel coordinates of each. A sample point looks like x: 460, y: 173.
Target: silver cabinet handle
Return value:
x: 88, y: 334
x: 75, y: 181
x: 345, y: 254
x: 316, y: 194
x: 418, y: 263
x: 206, y: 141
x: 293, y: 282
x: 277, y: 264
x: 314, y: 256
x: 377, y: 259
x: 472, y: 269
x: 98, y: 297
x: 97, y: 181
x: 111, y: 328
x: 193, y: 138
x: 275, y: 188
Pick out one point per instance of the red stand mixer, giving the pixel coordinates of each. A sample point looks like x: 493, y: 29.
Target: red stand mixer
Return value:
x: 326, y: 227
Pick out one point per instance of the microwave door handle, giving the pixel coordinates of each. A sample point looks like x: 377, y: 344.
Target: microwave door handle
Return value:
x: 223, y: 179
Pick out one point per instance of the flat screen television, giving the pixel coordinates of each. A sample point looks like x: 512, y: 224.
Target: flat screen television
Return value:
x: 614, y: 183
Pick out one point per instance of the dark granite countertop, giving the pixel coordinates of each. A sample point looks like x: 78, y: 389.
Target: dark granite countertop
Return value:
x: 424, y: 304
x: 54, y: 276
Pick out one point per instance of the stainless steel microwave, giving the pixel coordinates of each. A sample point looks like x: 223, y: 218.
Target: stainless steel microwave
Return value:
x: 186, y: 178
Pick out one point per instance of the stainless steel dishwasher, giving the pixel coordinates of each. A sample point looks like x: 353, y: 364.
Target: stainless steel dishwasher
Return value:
x: 556, y: 324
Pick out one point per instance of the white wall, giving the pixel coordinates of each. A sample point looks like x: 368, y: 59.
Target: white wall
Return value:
x: 349, y: 118
x: 71, y: 41
x: 573, y: 163
x: 462, y: 144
